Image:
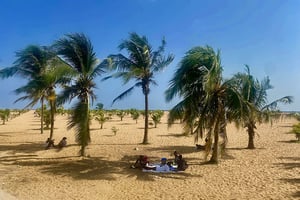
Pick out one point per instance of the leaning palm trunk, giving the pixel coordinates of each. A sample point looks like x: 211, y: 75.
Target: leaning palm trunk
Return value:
x: 145, y: 140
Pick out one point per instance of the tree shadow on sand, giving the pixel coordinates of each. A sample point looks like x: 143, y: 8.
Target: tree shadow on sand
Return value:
x: 171, y: 149
x: 151, y: 176
x: 29, y: 147
x: 176, y: 135
x: 95, y: 168
x: 293, y: 181
x: 292, y: 164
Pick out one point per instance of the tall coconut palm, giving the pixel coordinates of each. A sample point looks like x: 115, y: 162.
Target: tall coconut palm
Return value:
x: 77, y: 52
x: 206, y: 97
x: 255, y: 92
x: 141, y: 65
x: 31, y: 63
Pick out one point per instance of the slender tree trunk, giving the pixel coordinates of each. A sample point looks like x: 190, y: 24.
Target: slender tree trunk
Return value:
x: 251, y: 133
x: 220, y: 114
x: 52, y: 113
x: 86, y: 137
x: 223, y: 131
x: 215, y: 155
x: 145, y: 140
x: 42, y: 115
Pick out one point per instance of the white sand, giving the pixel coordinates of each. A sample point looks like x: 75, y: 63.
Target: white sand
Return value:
x: 27, y: 171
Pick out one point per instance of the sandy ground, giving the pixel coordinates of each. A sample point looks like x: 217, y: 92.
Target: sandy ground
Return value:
x: 28, y: 172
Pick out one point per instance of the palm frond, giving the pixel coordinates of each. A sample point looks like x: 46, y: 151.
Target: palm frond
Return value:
x: 274, y: 105
x: 8, y: 72
x: 124, y: 94
x: 80, y: 122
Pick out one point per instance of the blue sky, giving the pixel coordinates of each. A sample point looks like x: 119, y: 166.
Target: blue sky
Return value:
x: 265, y: 34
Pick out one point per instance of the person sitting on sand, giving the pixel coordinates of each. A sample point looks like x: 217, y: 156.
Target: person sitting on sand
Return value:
x: 62, y: 143
x: 141, y: 162
x: 176, y: 157
x: 49, y: 143
x: 181, y: 164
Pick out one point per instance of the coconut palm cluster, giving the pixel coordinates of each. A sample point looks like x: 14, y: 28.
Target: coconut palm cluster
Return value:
x: 66, y: 71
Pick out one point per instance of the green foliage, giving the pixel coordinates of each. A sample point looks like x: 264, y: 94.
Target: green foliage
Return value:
x: 47, y: 118
x: 254, y: 92
x: 60, y: 110
x: 99, y: 106
x: 100, y: 117
x: 4, y: 115
x: 114, y: 130
x: 297, y: 116
x: 156, y: 116
x: 296, y: 131
x: 77, y: 53
x: 140, y: 65
x: 135, y: 114
x: 121, y: 114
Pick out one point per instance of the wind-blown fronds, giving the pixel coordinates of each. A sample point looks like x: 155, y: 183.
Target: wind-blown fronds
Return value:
x: 77, y: 52
x: 140, y: 65
x: 80, y: 122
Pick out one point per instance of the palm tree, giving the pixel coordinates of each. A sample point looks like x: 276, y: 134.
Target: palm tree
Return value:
x: 206, y: 98
x: 31, y: 63
x: 255, y: 92
x: 141, y: 65
x: 77, y: 52
x: 187, y: 83
x: 44, y: 86
x: 100, y: 117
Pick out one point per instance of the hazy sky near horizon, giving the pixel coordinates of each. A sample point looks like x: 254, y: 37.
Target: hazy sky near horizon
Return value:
x: 264, y: 34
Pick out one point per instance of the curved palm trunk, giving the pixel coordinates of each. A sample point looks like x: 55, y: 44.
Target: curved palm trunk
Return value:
x: 42, y: 115
x: 145, y: 140
x: 251, y: 132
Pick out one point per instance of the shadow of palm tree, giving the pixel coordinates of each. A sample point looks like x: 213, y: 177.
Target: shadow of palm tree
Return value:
x: 30, y: 147
x: 171, y: 149
x: 293, y: 162
x: 177, y: 135
x: 95, y: 168
x: 150, y: 176
x: 293, y: 181
x: 296, y: 194
x: 289, y: 141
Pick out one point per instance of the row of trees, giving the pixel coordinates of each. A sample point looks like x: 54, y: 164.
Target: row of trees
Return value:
x: 71, y: 63
x: 102, y: 116
x: 208, y: 101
